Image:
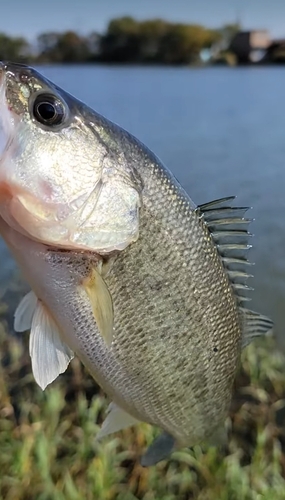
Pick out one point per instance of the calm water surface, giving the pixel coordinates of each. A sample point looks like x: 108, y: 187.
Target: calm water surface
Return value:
x: 220, y: 130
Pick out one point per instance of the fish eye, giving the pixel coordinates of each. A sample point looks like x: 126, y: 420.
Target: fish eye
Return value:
x: 48, y: 110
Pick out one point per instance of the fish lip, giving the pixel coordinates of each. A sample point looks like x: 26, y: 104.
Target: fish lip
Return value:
x: 2, y: 76
x: 2, y: 68
x: 7, y: 116
x: 14, y: 69
x: 4, y: 135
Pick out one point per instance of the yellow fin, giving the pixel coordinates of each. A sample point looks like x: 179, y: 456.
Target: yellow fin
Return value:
x: 102, y: 305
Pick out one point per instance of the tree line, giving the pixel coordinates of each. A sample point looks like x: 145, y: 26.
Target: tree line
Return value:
x: 126, y: 40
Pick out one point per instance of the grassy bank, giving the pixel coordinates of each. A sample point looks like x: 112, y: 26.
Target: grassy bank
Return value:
x: 48, y: 452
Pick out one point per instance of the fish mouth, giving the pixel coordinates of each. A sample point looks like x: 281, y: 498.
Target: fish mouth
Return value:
x: 8, y: 118
x: 5, y: 128
x: 9, y: 192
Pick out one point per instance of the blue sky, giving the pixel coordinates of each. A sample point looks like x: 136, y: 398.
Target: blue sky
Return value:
x: 30, y: 17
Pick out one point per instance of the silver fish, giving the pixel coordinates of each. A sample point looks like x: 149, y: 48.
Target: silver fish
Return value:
x: 146, y: 288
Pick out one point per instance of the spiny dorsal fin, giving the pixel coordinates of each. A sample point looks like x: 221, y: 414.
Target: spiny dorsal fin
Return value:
x: 254, y: 325
x: 229, y: 229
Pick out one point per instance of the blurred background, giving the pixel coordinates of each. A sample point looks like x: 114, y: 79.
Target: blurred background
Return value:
x: 201, y: 83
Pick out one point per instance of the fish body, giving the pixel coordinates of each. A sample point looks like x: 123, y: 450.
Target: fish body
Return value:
x: 146, y: 288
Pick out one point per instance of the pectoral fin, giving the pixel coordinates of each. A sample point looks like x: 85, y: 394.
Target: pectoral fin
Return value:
x: 102, y: 306
x: 116, y: 420
x: 49, y: 355
x: 158, y: 450
x: 24, y: 313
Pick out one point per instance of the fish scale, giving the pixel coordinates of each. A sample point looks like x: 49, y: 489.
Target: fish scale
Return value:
x: 140, y: 370
x: 197, y: 325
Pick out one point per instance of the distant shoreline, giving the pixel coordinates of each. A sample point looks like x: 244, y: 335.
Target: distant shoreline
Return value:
x: 155, y: 65
x: 152, y: 42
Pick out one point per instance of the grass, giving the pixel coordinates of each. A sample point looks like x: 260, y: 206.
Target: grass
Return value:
x: 48, y: 449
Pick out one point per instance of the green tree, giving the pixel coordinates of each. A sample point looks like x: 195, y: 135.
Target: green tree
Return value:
x: 183, y: 43
x: 123, y: 26
x: 151, y: 38
x: 72, y: 47
x: 67, y: 47
x: 228, y: 31
x: 13, y: 49
x: 129, y: 41
x: 212, y: 37
x: 93, y: 42
x: 121, y: 41
x: 47, y: 46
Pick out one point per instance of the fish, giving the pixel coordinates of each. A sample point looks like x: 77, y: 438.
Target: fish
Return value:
x: 146, y: 288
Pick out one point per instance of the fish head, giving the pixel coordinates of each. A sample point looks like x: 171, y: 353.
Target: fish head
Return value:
x: 64, y: 179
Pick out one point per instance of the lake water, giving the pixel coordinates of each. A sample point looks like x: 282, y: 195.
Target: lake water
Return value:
x: 220, y: 130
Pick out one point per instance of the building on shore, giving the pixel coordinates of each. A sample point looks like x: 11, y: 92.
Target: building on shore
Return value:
x: 276, y: 52
x: 250, y: 46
